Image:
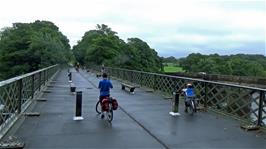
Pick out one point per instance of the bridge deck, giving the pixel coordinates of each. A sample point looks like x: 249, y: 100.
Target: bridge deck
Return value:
x: 142, y: 121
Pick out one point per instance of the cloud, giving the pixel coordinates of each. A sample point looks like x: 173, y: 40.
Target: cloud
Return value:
x: 166, y: 25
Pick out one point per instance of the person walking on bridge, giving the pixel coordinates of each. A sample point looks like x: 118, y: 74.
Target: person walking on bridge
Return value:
x: 103, y: 69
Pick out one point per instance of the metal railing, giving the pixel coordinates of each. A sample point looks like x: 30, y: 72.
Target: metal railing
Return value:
x: 16, y: 94
x: 247, y: 104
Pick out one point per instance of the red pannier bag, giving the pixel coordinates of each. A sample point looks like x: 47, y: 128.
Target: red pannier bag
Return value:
x: 105, y: 105
x: 114, y: 104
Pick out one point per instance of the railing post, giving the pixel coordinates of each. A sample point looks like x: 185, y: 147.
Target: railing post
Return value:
x: 262, y: 98
x: 154, y: 82
x: 40, y: 80
x: 141, y: 78
x: 120, y: 74
x: 123, y: 75
x: 131, y: 77
x: 48, y: 74
x: 205, y: 94
x: 127, y: 75
x: 44, y: 77
x: 32, y: 86
x: 20, y: 95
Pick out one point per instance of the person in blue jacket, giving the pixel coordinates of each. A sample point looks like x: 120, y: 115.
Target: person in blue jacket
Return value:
x: 189, y: 92
x: 104, y: 85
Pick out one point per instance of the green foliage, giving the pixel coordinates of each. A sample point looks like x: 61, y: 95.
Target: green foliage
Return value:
x: 143, y: 57
x: 241, y: 65
x: 103, y: 46
x: 26, y: 47
x: 170, y: 59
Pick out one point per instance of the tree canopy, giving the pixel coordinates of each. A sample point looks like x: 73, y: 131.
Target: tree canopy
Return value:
x: 240, y: 64
x: 26, y: 47
x: 103, y: 46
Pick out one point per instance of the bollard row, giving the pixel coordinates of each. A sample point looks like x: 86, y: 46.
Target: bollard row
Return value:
x: 78, y: 107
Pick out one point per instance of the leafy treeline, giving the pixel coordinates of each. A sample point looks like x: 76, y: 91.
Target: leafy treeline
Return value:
x: 170, y: 59
x: 103, y: 46
x: 26, y: 47
x: 240, y: 64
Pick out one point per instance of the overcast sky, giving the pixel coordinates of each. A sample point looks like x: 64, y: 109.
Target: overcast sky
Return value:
x: 172, y: 27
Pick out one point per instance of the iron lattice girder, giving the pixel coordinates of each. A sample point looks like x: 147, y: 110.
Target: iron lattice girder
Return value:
x: 16, y: 91
x: 236, y: 100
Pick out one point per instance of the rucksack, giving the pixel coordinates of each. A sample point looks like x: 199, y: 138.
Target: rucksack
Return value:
x: 105, y: 104
x: 114, y: 104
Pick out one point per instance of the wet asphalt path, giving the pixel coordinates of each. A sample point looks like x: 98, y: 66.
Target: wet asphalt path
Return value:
x: 141, y: 121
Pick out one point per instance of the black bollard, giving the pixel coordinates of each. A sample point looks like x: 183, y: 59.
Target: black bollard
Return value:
x: 72, y: 88
x: 175, y: 104
x: 69, y: 77
x: 78, y: 115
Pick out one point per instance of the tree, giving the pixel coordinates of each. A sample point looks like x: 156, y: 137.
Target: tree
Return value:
x: 103, y: 46
x: 240, y: 64
x: 144, y: 58
x: 26, y: 47
x: 170, y: 59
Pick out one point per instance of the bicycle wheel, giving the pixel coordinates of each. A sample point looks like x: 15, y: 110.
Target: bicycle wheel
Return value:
x: 110, y: 114
x: 191, y: 107
x: 98, y: 107
x: 194, y: 106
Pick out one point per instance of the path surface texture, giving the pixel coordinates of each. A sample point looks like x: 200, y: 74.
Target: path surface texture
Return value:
x: 141, y: 121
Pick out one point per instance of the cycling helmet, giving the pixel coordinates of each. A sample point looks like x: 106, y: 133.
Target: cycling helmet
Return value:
x: 189, y: 85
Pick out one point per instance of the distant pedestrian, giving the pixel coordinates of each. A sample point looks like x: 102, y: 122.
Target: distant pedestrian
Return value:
x: 102, y: 69
x: 77, y: 67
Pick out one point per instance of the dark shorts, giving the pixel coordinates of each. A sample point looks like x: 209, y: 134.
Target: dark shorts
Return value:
x: 102, y: 97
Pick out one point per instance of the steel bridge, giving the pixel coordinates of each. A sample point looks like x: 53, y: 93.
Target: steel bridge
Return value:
x: 142, y: 119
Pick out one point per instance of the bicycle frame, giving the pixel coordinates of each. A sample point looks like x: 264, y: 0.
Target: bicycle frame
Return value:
x: 192, y: 104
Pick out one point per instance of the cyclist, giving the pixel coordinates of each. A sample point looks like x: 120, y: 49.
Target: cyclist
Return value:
x: 104, y: 85
x: 189, y: 92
